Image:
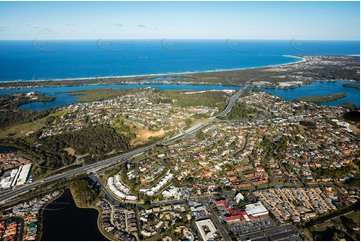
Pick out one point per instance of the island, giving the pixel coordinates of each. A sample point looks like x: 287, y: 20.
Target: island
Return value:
x: 321, y: 99
x: 353, y: 85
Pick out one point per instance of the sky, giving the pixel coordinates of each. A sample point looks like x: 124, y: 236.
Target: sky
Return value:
x: 180, y: 20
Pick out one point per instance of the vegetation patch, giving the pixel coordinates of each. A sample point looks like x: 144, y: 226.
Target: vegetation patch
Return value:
x: 321, y: 99
x: 84, y: 194
x: 100, y: 94
x: 240, y: 111
x: 11, y: 114
x: 357, y: 86
x: 144, y: 134
x: 208, y: 98
x: 308, y: 124
x: 99, y: 139
x: 347, y: 105
x: 339, y: 227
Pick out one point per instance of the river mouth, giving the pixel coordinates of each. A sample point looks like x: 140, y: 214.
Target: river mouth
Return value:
x: 353, y: 116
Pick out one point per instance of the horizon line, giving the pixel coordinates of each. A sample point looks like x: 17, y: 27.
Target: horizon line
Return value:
x: 293, y: 39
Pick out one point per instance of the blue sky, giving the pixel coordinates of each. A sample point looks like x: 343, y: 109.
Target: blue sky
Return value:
x: 180, y: 20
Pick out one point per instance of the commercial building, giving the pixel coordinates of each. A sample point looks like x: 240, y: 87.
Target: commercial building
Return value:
x: 16, y: 177
x: 24, y: 174
x: 250, y: 212
x: 256, y: 209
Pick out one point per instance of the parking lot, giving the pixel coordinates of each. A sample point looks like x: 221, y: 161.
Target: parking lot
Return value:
x: 286, y: 232
x: 251, y: 226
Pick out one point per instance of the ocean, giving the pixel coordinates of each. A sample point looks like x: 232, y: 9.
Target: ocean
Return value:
x: 61, y: 59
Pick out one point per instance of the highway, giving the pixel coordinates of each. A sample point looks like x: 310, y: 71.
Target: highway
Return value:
x: 7, y: 195
x: 232, y: 101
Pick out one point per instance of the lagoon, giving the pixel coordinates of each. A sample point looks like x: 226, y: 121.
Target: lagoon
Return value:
x: 63, y: 220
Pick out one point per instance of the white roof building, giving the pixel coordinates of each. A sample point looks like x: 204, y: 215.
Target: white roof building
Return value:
x: 156, y: 188
x: 119, y: 189
x: 256, y: 209
x: 6, y: 182
x: 23, y: 176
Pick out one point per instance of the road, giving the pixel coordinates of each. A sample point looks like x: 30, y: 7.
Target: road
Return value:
x: 232, y: 101
x: 215, y: 219
x: 206, y: 201
x: 6, y: 196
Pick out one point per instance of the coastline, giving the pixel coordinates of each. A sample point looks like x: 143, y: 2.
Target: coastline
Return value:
x: 301, y: 59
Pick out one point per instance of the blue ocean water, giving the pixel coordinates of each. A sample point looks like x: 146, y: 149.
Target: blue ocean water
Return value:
x: 57, y: 59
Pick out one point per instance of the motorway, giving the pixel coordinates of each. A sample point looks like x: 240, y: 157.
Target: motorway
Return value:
x: 232, y: 101
x: 6, y: 196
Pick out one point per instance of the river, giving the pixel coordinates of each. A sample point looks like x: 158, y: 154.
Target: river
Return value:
x: 313, y: 89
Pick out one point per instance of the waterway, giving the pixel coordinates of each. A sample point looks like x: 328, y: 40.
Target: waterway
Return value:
x: 64, y: 221
x: 63, y: 98
x: 320, y: 89
x: 313, y: 89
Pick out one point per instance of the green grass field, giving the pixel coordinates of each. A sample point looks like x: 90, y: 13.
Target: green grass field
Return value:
x: 20, y: 130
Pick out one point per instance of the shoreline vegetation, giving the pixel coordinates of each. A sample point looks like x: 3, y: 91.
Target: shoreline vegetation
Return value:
x: 321, y: 99
x: 289, y: 75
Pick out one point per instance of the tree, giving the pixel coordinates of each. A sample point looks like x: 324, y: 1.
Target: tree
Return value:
x: 200, y: 134
x: 188, y: 122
